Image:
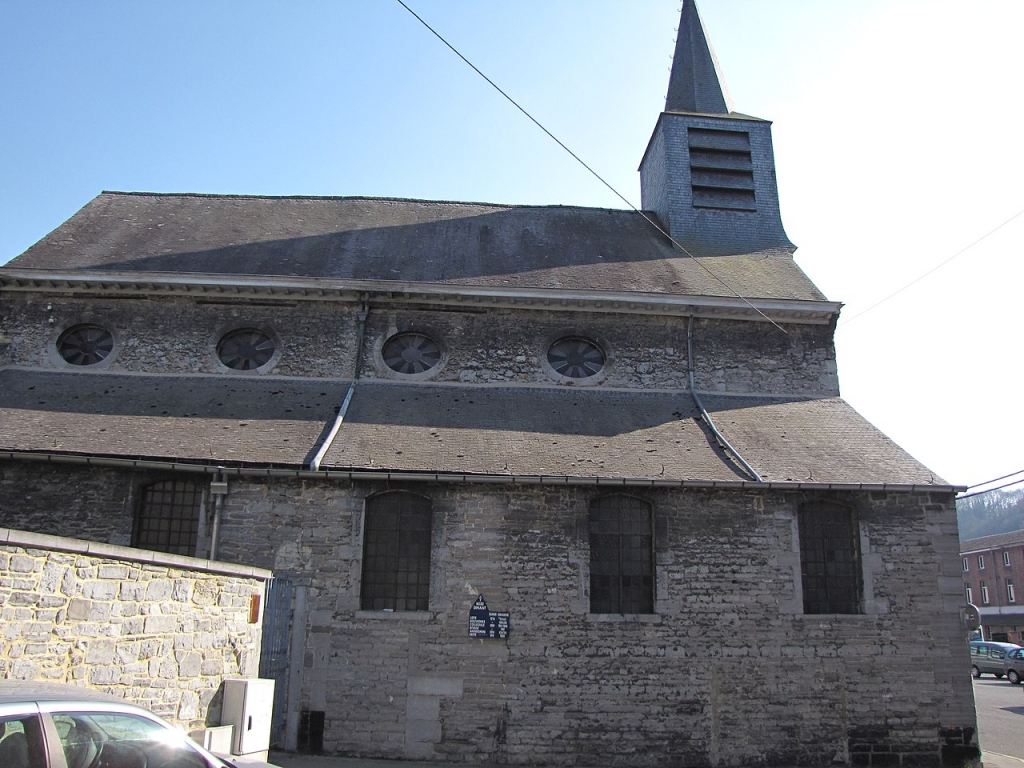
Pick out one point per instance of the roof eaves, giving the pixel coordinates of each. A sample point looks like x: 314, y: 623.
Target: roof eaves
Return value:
x: 350, y: 474
x: 808, y: 311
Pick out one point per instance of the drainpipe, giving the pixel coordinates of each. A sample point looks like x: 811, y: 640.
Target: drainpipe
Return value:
x: 219, y: 489
x: 703, y: 412
x: 364, y: 311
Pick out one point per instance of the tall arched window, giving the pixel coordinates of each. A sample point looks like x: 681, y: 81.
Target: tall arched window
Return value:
x: 396, y: 553
x: 621, y: 556
x: 168, y: 519
x: 830, y: 564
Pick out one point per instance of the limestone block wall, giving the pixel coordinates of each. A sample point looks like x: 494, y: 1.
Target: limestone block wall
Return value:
x: 727, y: 671
x: 486, y: 346
x: 159, y: 630
x: 34, y: 497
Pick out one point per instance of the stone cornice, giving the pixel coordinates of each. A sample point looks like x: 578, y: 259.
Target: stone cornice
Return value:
x: 240, y: 288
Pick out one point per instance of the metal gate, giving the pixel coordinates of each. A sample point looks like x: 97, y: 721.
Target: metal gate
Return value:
x: 277, y: 621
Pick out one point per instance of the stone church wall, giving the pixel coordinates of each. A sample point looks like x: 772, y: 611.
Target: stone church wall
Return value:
x: 489, y: 346
x: 728, y: 671
x: 162, y: 631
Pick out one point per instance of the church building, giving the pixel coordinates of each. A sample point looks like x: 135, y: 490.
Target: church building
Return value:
x: 539, y: 485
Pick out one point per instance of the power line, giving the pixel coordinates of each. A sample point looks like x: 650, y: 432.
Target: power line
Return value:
x: 594, y: 173
x: 997, y: 488
x: 930, y: 271
x: 996, y: 479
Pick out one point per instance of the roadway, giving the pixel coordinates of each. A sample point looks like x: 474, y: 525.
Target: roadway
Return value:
x: 1000, y: 708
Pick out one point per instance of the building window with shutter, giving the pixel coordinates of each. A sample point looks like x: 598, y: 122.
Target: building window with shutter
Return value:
x: 396, y: 553
x: 830, y: 562
x: 168, y: 518
x: 621, y: 556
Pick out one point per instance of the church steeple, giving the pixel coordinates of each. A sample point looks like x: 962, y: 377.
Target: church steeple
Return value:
x: 709, y: 172
x: 696, y: 83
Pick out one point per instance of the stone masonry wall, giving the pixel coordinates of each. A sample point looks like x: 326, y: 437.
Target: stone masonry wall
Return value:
x: 727, y: 671
x: 162, y: 631
x: 487, y: 346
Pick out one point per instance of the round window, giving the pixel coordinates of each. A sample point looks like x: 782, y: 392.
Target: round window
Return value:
x: 245, y: 349
x: 85, y: 344
x: 576, y: 358
x: 411, y: 353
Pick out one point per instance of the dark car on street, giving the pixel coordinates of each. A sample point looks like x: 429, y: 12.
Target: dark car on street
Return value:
x: 997, y: 659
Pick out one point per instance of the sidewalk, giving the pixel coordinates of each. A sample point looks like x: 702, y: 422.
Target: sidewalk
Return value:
x: 289, y: 760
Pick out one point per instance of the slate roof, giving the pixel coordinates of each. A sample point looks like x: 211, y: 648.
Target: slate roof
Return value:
x: 216, y: 419
x: 994, y: 541
x: 407, y: 241
x: 444, y: 428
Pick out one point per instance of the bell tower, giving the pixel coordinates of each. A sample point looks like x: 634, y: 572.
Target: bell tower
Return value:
x: 709, y: 172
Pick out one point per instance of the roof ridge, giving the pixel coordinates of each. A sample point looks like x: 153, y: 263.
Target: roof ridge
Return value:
x: 1007, y: 534
x: 369, y: 198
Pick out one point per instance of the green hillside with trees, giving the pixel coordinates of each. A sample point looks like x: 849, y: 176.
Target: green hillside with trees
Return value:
x: 990, y: 513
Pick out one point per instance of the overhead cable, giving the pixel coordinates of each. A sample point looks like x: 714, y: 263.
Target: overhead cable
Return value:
x: 996, y: 479
x: 937, y: 267
x: 990, y: 490
x: 594, y: 173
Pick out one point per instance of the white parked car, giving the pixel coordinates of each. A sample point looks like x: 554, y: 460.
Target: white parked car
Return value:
x: 47, y: 725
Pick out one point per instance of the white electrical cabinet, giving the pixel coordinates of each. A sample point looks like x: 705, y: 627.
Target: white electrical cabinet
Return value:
x: 249, y: 706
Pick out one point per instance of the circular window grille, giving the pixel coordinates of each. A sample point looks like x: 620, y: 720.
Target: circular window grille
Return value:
x: 85, y: 344
x: 245, y: 349
x: 411, y: 353
x: 576, y: 358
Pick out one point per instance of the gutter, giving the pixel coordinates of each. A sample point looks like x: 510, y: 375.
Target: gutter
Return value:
x: 455, y: 477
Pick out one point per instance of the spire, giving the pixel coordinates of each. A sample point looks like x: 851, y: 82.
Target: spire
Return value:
x: 696, y: 83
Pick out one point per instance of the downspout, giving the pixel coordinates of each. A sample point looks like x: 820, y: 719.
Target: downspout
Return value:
x: 218, y: 489
x: 340, y: 418
x: 703, y: 412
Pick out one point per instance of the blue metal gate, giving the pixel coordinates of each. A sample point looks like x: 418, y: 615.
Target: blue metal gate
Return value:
x: 277, y: 622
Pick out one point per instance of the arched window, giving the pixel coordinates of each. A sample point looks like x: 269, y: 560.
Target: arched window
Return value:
x: 621, y: 556
x: 830, y: 564
x: 168, y: 519
x: 396, y: 553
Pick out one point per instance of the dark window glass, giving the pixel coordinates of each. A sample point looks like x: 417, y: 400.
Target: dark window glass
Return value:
x: 168, y: 518
x: 576, y: 358
x: 411, y: 353
x: 21, y: 742
x: 830, y: 558
x: 85, y: 344
x: 117, y: 740
x: 621, y: 556
x: 245, y: 349
x: 396, y: 553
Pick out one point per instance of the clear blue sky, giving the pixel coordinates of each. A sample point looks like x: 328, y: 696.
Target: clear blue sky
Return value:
x: 897, y: 128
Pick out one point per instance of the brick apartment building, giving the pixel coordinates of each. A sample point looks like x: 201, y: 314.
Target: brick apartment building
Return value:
x: 993, y: 577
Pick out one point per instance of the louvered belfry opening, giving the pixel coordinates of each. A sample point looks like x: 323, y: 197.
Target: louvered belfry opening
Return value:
x: 721, y: 170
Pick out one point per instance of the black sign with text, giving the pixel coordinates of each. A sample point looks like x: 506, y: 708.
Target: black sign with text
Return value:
x: 484, y: 624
